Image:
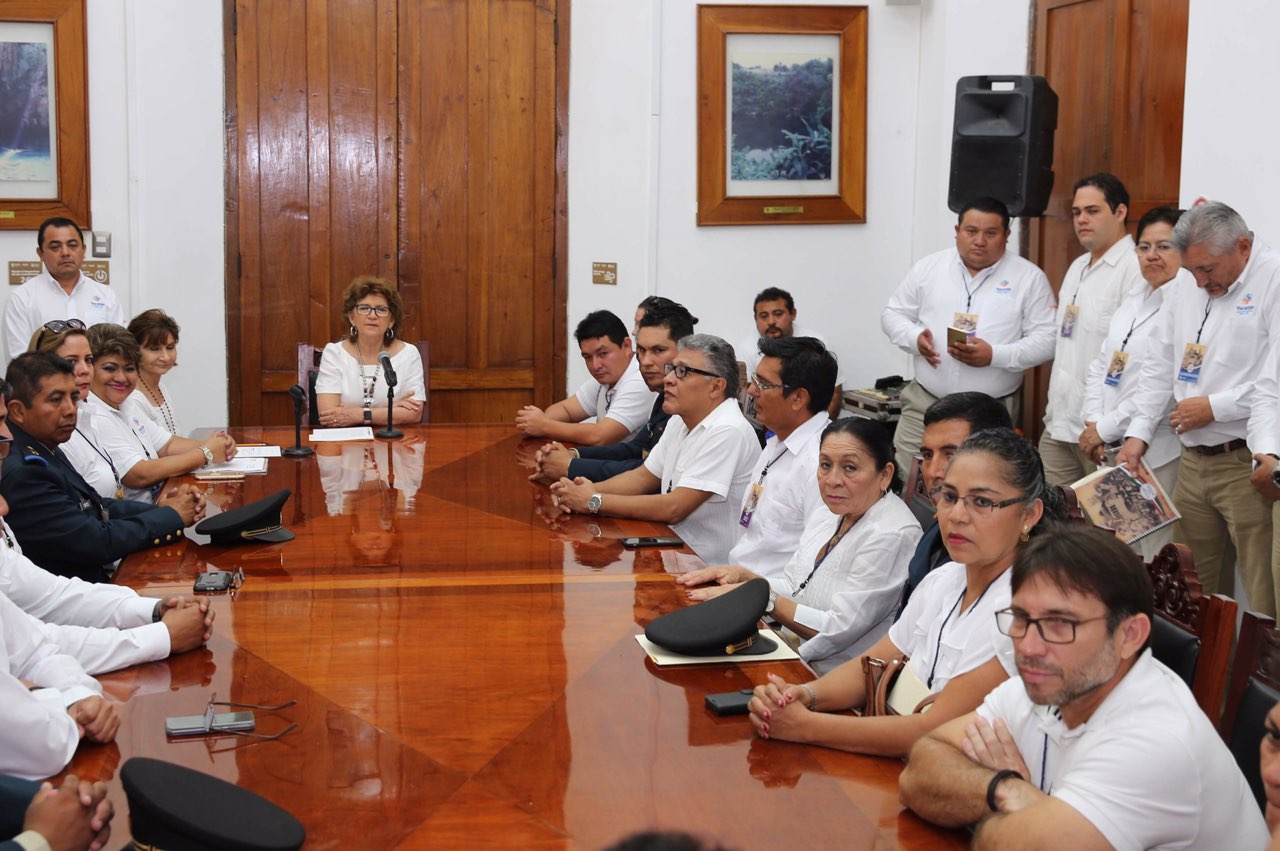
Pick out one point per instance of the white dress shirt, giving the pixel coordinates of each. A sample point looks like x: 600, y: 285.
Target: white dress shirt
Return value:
x: 41, y: 299
x: 1147, y: 769
x: 38, y: 737
x: 128, y: 436
x: 1096, y: 291
x: 1014, y: 304
x: 933, y: 627
x: 1133, y: 328
x: 1264, y: 408
x: 629, y: 401
x: 1237, y: 333
x: 104, y: 627
x: 715, y: 457
x: 850, y: 598
x: 748, y: 349
x: 85, y: 452
x: 789, y: 500
x: 340, y: 373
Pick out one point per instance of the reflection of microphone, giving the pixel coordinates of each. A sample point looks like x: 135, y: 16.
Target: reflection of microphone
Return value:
x: 299, y: 397
x: 388, y: 371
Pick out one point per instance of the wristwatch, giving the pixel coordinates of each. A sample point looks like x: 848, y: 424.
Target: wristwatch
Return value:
x: 208, y: 455
x: 593, y: 504
x: 773, y: 601
x: 368, y: 415
x: 1275, y: 471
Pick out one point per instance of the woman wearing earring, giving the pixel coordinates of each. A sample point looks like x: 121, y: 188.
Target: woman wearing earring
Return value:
x: 67, y: 340
x: 157, y: 336
x: 840, y: 588
x: 350, y: 388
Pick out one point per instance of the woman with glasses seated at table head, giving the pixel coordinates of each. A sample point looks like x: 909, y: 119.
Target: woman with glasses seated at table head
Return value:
x: 351, y: 389
x: 144, y: 451
x: 993, y: 497
x: 66, y: 339
x: 157, y: 336
x: 841, y: 587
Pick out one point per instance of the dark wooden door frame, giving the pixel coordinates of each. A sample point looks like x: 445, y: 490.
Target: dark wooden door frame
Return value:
x: 231, y: 213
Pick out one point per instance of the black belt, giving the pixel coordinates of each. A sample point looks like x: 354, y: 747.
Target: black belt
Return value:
x: 1221, y: 448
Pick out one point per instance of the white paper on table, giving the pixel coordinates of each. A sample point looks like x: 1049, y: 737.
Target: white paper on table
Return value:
x: 664, y: 657
x: 238, y: 464
x: 257, y: 451
x: 337, y: 435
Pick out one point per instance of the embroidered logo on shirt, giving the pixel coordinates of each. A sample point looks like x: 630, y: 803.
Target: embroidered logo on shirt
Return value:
x: 98, y: 302
x: 138, y: 426
x: 1245, y: 306
x: 1004, y: 287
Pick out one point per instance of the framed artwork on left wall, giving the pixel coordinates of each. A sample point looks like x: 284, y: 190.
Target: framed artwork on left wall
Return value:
x: 44, y: 116
x: 782, y: 114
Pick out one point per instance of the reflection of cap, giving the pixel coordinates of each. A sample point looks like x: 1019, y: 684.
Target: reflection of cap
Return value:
x: 174, y: 807
x: 722, y: 625
x: 257, y: 521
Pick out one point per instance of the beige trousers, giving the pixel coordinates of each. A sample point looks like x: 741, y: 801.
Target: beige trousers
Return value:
x: 1064, y: 462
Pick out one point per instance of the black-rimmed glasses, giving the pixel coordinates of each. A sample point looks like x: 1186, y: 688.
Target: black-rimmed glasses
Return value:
x: 944, y: 497
x: 57, y: 326
x: 682, y: 371
x: 1052, y: 629
x: 376, y: 309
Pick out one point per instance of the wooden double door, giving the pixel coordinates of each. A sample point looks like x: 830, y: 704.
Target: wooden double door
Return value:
x: 417, y: 140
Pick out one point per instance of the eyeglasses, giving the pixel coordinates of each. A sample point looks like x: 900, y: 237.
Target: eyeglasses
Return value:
x: 944, y: 498
x: 379, y: 310
x: 1053, y: 630
x: 57, y: 326
x: 765, y: 386
x: 211, y: 727
x: 682, y: 371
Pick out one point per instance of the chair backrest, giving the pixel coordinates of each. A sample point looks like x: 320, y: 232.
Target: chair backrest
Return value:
x: 1256, y: 701
x: 309, y: 365
x: 1209, y: 620
x: 916, y: 495
x: 1257, y: 657
x: 1075, y: 514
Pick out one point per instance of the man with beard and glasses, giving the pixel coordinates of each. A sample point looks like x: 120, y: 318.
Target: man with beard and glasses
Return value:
x: 1095, y: 744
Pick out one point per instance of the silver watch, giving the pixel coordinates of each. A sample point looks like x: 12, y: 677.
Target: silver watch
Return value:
x: 208, y: 454
x: 593, y: 504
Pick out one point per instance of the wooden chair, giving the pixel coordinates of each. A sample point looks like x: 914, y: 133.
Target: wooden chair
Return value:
x: 1254, y: 689
x: 1075, y: 514
x: 309, y: 367
x: 1192, y: 632
x: 916, y: 495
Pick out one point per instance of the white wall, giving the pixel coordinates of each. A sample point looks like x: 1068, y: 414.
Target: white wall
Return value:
x: 841, y: 275
x: 156, y: 165
x: 1229, y: 124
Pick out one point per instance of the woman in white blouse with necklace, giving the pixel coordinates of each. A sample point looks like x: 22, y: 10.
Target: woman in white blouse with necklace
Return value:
x: 841, y: 586
x: 157, y: 336
x: 350, y: 388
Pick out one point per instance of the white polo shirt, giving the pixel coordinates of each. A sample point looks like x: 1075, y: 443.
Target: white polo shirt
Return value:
x: 629, y: 401
x: 1147, y: 769
x: 1237, y: 333
x: 1096, y: 292
x: 790, y: 496
x: 1014, y: 304
x: 128, y: 436
x: 1112, y: 406
x: 715, y: 457
x: 933, y: 627
x: 86, y: 454
x: 41, y: 299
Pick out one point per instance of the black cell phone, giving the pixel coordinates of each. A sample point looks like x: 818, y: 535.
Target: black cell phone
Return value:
x: 652, y: 542
x: 729, y: 702
x: 213, y: 580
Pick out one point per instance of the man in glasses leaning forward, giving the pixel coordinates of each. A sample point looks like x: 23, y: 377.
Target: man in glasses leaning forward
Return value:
x: 1095, y: 744
x: 60, y: 291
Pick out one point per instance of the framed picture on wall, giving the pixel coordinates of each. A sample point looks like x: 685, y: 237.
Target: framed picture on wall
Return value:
x: 782, y: 114
x: 44, y: 119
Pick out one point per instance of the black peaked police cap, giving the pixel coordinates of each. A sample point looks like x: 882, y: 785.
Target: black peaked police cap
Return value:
x: 722, y: 625
x: 253, y: 523
x: 175, y: 808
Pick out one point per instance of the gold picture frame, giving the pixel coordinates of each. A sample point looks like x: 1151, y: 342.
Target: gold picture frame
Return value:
x: 819, y: 175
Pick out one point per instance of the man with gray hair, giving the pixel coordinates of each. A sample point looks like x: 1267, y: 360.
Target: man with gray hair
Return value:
x: 1208, y: 350
x: 694, y: 479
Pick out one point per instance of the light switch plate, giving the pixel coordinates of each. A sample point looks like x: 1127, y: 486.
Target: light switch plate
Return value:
x: 101, y: 243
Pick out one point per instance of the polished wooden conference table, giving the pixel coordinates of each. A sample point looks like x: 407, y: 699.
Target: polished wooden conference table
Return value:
x: 466, y: 673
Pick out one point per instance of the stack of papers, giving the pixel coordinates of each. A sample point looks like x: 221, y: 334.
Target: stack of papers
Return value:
x: 338, y: 435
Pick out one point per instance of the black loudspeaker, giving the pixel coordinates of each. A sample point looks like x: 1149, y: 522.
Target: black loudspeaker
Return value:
x: 1002, y: 143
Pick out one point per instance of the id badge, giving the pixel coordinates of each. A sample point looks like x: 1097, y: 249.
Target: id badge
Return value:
x: 1192, y: 361
x: 753, y: 499
x: 1116, y: 370
x: 966, y: 322
x: 1069, y: 320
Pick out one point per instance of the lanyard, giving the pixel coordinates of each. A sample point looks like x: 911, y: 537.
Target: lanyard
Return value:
x: 831, y: 544
x: 969, y: 294
x: 1208, y: 305
x: 937, y: 650
x: 765, y: 471
x: 1135, y: 325
x: 105, y: 456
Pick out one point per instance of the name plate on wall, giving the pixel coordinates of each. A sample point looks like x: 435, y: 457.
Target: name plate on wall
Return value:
x: 94, y: 270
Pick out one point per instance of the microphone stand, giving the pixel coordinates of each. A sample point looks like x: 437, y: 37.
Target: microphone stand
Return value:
x: 390, y: 431
x: 297, y: 450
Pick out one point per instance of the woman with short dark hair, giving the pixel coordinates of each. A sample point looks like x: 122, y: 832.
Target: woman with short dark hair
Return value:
x: 157, y: 336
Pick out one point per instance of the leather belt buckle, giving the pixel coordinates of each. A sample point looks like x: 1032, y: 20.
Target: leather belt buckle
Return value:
x: 1220, y: 449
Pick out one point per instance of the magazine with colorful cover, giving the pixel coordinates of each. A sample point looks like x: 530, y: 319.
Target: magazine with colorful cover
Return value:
x: 1133, y: 506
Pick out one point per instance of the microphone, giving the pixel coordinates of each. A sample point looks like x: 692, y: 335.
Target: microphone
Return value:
x: 388, y: 371
x: 299, y: 397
